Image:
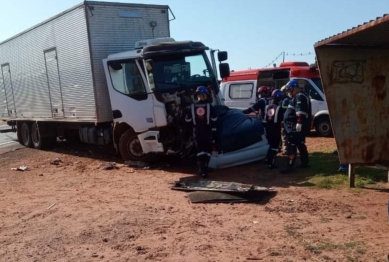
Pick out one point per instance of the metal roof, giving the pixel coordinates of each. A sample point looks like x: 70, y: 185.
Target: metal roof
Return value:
x: 372, y: 33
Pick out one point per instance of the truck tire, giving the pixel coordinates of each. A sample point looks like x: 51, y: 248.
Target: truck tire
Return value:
x: 25, y: 135
x: 131, y: 150
x: 38, y: 141
x: 323, y: 126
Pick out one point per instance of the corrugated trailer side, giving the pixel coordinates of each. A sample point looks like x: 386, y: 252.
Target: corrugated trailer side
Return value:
x: 47, y: 70
x: 114, y: 28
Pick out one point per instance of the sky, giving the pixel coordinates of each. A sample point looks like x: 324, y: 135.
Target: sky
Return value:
x: 254, y: 32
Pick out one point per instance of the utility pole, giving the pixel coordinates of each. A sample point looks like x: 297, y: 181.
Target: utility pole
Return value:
x: 283, y: 57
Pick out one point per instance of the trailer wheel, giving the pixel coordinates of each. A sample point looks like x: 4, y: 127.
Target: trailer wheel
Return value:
x: 39, y: 142
x: 131, y: 149
x: 323, y: 126
x: 25, y: 135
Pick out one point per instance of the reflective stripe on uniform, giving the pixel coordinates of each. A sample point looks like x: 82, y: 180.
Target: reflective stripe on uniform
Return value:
x: 193, y: 114
x: 208, y: 113
x: 301, y: 113
x: 203, y: 153
x: 291, y: 107
x: 276, y: 116
x: 188, y: 119
x: 264, y: 118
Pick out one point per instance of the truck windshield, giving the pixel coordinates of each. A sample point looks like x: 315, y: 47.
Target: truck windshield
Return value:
x: 179, y: 72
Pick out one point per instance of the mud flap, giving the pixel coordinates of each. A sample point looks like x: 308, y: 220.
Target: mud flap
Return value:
x: 149, y: 142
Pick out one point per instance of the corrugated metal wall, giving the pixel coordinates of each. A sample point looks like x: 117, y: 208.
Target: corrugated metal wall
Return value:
x: 110, y: 33
x: 356, y: 85
x: 25, y: 55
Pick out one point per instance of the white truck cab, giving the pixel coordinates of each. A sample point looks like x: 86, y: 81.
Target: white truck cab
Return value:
x: 239, y: 90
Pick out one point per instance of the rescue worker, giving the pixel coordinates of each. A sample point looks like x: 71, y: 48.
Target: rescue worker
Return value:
x: 297, y: 121
x: 203, y: 118
x: 273, y: 120
x: 263, y: 95
x: 284, y: 106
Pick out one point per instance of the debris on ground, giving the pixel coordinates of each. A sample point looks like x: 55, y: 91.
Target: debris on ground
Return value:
x: 109, y: 166
x: 56, y: 162
x: 221, y: 192
x: 51, y: 206
x: 216, y: 186
x: 21, y: 168
x: 138, y: 164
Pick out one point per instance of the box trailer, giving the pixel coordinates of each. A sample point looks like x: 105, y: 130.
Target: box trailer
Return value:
x: 54, y: 71
x: 88, y: 74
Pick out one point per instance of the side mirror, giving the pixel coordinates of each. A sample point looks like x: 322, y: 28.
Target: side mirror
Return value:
x: 222, y: 56
x: 224, y: 69
x: 115, y: 65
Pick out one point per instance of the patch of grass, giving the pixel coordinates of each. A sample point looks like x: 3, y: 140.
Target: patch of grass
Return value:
x: 351, y: 245
x: 328, y: 182
x: 323, y: 173
x: 291, y: 231
x: 328, y: 246
x: 318, y: 248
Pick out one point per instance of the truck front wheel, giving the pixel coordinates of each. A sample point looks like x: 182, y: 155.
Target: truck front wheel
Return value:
x: 131, y: 149
x: 323, y: 126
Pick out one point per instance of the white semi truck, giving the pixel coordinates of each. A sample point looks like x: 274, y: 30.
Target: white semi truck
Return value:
x: 87, y: 74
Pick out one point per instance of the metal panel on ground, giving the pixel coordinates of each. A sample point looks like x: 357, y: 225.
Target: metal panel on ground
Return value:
x: 354, y: 69
x: 114, y: 28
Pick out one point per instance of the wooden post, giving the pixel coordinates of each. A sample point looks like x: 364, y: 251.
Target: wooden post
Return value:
x: 351, y: 175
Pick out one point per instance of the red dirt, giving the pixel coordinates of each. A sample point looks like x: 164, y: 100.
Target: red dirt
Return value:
x: 132, y: 215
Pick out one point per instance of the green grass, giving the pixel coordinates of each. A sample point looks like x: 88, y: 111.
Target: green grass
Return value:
x: 323, y: 173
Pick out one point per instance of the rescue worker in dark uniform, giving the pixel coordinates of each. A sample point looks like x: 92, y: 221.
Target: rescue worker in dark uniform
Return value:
x: 297, y: 122
x: 203, y: 118
x: 284, y: 105
x: 263, y: 95
x: 273, y: 120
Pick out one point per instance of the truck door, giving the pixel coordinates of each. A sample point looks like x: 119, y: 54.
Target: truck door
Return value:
x: 54, y: 83
x: 240, y: 95
x: 8, y: 89
x: 128, y: 94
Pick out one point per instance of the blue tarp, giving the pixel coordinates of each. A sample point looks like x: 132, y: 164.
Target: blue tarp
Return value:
x: 235, y: 130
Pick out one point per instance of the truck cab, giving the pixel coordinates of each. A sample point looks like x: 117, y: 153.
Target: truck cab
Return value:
x: 239, y: 89
x: 151, y: 87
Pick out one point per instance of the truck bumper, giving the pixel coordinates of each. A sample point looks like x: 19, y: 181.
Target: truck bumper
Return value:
x: 149, y: 142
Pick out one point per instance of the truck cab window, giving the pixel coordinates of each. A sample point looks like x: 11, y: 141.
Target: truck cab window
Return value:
x: 127, y: 79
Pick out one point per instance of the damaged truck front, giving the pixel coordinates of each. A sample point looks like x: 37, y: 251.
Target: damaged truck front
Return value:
x: 150, y: 88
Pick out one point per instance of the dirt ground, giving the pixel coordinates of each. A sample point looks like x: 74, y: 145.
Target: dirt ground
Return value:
x: 75, y: 211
